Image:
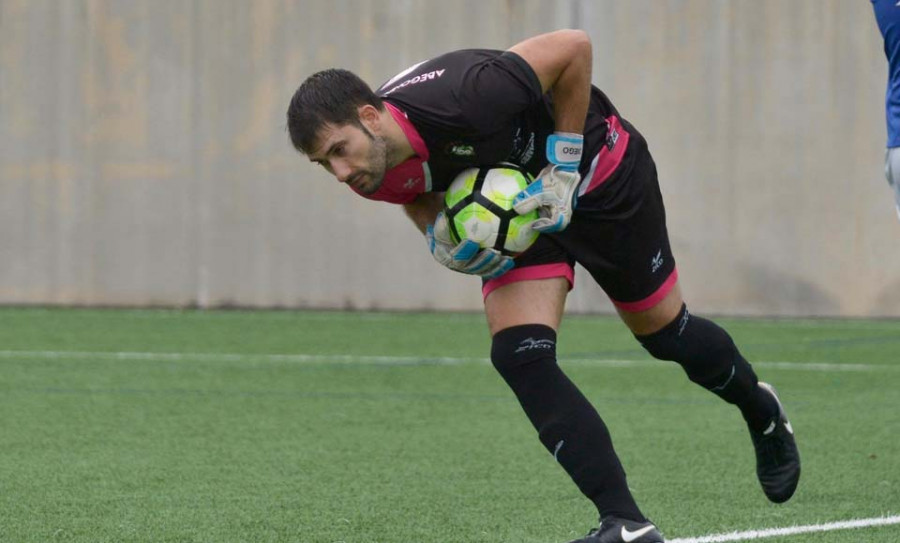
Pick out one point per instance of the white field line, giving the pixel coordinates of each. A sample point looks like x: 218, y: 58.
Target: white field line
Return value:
x: 239, y: 357
x: 793, y: 530
x: 301, y: 358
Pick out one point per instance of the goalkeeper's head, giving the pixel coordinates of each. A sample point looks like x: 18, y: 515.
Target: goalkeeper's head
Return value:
x: 332, y: 97
x: 337, y: 121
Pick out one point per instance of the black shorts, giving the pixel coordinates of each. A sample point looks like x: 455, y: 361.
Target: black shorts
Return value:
x: 618, y: 231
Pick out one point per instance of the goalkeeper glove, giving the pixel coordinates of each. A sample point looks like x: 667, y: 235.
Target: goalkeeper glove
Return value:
x: 555, y: 190
x: 466, y: 256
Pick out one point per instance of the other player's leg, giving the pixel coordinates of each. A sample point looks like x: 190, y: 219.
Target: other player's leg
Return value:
x: 892, y: 173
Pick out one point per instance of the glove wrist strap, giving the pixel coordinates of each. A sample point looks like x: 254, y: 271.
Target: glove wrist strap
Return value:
x: 564, y: 149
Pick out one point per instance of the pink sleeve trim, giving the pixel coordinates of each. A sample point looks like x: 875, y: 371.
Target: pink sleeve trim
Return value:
x: 528, y: 273
x: 650, y: 301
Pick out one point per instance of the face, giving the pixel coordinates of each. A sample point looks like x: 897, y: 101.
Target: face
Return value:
x: 352, y: 154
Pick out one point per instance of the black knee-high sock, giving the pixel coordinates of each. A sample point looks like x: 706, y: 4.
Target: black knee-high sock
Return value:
x: 568, y: 426
x: 710, y: 358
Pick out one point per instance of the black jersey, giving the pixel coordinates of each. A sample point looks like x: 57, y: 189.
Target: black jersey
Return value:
x: 479, y: 107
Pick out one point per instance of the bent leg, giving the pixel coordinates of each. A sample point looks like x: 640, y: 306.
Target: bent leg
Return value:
x: 711, y: 359
x: 523, y: 318
x: 706, y: 353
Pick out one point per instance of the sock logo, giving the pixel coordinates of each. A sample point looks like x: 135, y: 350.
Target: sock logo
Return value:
x: 727, y: 381
x: 531, y: 344
x: 788, y: 427
x: 684, y: 321
x: 558, y: 447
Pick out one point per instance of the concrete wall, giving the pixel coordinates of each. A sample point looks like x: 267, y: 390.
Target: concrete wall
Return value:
x: 144, y: 158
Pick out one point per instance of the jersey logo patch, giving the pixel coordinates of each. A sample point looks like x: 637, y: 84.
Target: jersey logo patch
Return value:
x: 461, y: 149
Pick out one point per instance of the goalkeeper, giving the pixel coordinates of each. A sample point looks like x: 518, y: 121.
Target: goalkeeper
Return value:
x: 598, y: 198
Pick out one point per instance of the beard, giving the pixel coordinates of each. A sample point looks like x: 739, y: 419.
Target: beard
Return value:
x: 377, y: 159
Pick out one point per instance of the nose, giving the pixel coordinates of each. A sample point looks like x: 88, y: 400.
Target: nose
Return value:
x: 341, y: 170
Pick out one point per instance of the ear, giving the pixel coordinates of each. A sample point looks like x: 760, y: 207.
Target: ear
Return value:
x: 370, y: 117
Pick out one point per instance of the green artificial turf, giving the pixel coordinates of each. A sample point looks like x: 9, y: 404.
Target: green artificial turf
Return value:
x: 214, y: 426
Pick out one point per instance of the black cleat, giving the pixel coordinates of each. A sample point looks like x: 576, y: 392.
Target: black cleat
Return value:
x: 618, y: 530
x: 777, y: 457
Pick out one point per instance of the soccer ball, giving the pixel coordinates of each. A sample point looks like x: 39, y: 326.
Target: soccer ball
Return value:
x: 478, y: 206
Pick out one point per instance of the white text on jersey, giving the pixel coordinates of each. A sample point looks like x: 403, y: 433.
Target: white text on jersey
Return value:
x: 418, y: 79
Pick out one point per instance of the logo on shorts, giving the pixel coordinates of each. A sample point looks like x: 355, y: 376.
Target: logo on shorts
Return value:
x: 657, y: 262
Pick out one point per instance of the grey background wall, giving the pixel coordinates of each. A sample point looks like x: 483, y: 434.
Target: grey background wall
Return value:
x: 144, y: 158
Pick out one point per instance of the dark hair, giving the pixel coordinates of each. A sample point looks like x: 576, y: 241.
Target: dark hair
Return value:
x: 330, y: 96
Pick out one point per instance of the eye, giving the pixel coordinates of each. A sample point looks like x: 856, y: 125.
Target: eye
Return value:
x: 339, y: 150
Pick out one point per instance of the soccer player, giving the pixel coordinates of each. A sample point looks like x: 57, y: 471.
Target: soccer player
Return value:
x: 887, y: 13
x: 598, y: 198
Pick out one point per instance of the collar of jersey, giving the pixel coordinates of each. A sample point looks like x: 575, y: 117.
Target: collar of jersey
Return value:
x: 404, y: 181
x: 415, y: 140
